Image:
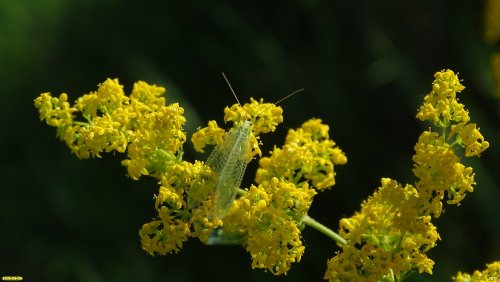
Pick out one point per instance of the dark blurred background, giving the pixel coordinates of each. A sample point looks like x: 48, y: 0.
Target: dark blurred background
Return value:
x: 365, y: 67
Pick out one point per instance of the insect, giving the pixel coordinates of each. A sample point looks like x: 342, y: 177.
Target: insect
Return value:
x: 229, y: 161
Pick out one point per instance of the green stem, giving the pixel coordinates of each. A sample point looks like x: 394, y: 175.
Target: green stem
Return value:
x: 323, y: 229
x: 241, y: 192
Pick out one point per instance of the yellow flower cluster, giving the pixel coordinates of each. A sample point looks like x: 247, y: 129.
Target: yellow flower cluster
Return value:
x: 385, y: 241
x: 264, y: 118
x: 176, y: 222
x: 210, y: 135
x: 437, y: 165
x: 308, y: 155
x: 491, y: 273
x: 441, y: 105
x: 108, y: 120
x: 151, y: 134
x: 389, y: 237
x: 265, y: 219
x: 269, y: 217
x: 440, y: 172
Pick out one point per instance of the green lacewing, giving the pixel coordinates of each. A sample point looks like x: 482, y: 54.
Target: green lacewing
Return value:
x: 228, y: 162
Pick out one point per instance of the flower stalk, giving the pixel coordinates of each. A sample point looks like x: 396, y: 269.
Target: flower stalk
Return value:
x: 309, y: 221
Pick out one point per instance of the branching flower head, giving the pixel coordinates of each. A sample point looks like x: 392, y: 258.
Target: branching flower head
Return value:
x: 267, y: 219
x: 387, y: 237
x: 437, y: 164
x: 108, y: 120
x: 385, y: 241
x: 392, y: 233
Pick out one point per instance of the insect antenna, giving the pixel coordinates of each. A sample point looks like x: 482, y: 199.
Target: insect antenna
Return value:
x: 276, y: 103
x: 231, y: 88
x: 288, y: 96
x: 281, y: 100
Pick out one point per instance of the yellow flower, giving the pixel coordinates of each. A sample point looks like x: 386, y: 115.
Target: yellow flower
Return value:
x: 55, y: 111
x: 308, y: 154
x: 108, y: 120
x: 491, y: 273
x: 388, y: 237
x: 437, y: 166
x: 440, y: 105
x: 203, y: 221
x: 155, y: 142
x: 268, y: 217
x: 109, y: 97
x: 470, y: 138
x: 165, y: 235
x: 276, y: 247
x: 210, y: 135
x: 147, y: 98
x: 264, y: 118
x: 440, y: 172
x: 177, y: 219
x: 202, y: 184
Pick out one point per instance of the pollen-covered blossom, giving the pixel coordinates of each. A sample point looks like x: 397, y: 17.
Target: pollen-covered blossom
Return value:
x: 108, y: 120
x: 491, y: 273
x: 388, y: 237
x: 269, y: 217
x: 308, y: 154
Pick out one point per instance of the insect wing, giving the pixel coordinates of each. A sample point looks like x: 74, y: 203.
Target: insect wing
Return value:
x: 218, y: 158
x: 228, y: 161
x: 230, y: 180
